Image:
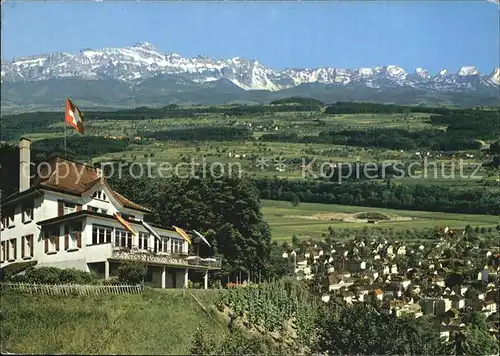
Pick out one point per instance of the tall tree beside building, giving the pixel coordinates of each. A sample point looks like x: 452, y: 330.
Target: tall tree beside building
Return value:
x: 225, y: 210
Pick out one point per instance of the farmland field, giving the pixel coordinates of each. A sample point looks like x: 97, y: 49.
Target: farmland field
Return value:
x: 312, y: 220
x: 243, y: 136
x: 136, y: 127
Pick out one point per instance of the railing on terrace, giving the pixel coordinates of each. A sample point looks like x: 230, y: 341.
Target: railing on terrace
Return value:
x: 152, y: 256
x: 71, y: 289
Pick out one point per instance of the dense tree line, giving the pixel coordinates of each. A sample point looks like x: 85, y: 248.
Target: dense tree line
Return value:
x: 399, y: 139
x: 80, y: 146
x: 375, y: 108
x: 387, y: 195
x: 350, y: 107
x: 474, y: 123
x: 220, y: 133
x: 14, y: 126
x: 307, y: 102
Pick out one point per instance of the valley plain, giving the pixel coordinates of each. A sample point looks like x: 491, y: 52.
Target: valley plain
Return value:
x: 276, y: 141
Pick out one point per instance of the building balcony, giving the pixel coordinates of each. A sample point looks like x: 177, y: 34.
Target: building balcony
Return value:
x: 164, y: 258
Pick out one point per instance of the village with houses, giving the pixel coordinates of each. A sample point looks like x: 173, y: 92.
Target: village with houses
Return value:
x: 401, y: 278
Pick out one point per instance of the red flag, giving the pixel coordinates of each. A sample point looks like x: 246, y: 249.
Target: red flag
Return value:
x: 73, y: 116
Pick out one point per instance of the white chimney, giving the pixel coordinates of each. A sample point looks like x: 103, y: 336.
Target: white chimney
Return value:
x: 24, y: 164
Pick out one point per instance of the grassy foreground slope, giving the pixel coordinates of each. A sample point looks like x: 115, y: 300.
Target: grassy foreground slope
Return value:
x: 155, y: 322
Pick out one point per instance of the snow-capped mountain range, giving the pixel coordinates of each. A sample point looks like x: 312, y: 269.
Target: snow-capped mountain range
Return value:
x: 142, y: 61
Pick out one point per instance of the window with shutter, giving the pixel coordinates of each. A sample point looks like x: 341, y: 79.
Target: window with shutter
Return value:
x: 69, y: 208
x: 27, y: 246
x: 52, y: 240
x: 27, y: 212
x: 2, y: 252
x: 12, y: 250
x: 31, y: 242
x: 73, y: 231
x: 66, y: 237
x: 65, y: 207
x: 11, y: 220
x: 79, y: 239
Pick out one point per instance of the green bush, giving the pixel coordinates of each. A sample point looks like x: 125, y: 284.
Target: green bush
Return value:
x: 111, y: 281
x: 372, y: 216
x: 235, y: 343
x: 131, y: 272
x: 9, y: 271
x: 53, y: 275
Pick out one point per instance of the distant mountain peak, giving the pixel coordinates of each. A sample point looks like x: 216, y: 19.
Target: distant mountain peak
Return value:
x: 443, y: 72
x: 495, y: 76
x: 143, y: 61
x: 422, y: 73
x: 146, y: 45
x: 468, y: 71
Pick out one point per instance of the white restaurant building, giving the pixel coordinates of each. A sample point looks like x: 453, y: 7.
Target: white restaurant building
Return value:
x: 64, y: 219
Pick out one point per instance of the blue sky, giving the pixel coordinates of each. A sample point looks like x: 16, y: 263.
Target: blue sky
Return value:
x: 432, y: 35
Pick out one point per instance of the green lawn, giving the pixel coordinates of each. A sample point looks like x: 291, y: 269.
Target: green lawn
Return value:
x: 153, y: 323
x: 286, y: 220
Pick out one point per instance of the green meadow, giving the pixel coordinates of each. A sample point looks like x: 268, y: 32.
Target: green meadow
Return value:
x: 157, y: 322
x: 311, y: 220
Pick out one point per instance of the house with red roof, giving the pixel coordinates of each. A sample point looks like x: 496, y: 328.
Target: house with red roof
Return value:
x: 64, y: 216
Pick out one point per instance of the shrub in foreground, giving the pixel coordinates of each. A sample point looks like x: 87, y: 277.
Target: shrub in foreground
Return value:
x: 53, y: 275
x: 131, y: 272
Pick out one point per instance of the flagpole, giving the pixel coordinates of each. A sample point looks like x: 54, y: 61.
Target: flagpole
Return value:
x: 64, y: 124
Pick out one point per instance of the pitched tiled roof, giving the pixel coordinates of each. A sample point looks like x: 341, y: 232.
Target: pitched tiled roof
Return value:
x: 127, y: 203
x: 67, y: 176
x: 75, y: 178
